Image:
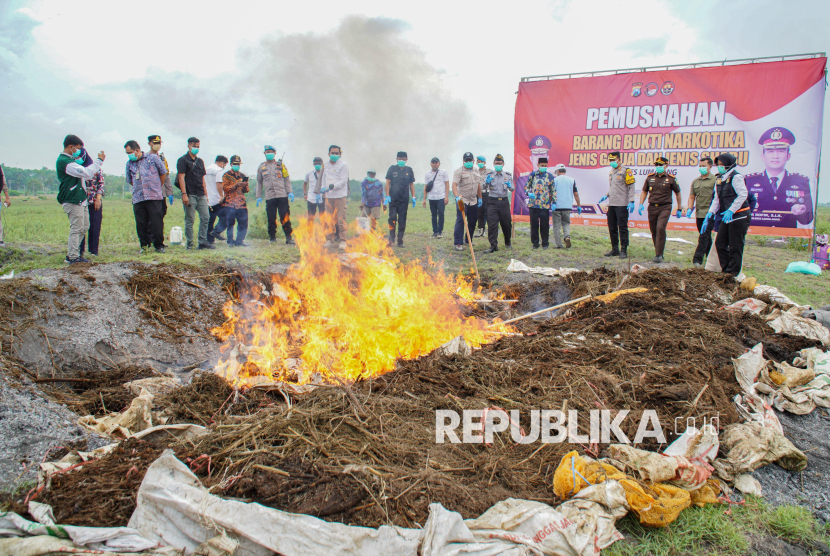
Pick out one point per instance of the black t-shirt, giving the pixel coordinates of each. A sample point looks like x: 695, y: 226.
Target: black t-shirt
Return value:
x: 399, y: 179
x: 193, y: 172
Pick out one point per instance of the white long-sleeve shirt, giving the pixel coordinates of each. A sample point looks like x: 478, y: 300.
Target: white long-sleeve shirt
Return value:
x: 84, y: 172
x: 337, y: 174
x: 738, y: 185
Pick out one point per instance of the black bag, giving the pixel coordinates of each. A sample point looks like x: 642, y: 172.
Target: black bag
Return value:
x: 432, y: 183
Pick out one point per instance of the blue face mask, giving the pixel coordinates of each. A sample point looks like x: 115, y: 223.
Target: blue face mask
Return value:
x: 401, y: 162
x: 269, y: 156
x: 318, y: 167
x: 721, y: 169
x: 132, y: 157
x: 334, y: 157
x: 659, y: 169
x: 194, y: 150
x: 615, y: 164
x: 543, y: 169
x: 235, y: 168
x: 481, y: 165
x: 370, y: 178
x: 499, y: 167
x: 703, y: 171
x: 468, y: 165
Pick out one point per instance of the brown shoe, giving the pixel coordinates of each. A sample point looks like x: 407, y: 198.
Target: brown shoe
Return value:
x: 568, y: 242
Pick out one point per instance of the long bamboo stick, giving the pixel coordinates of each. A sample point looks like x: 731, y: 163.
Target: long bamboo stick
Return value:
x: 533, y: 314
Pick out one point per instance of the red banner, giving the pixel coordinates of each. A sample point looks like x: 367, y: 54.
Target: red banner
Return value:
x: 768, y: 115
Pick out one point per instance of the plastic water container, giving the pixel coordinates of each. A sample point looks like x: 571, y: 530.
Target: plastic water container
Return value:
x: 176, y: 235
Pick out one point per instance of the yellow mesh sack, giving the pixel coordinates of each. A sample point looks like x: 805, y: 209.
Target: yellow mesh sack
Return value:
x: 656, y: 505
x: 707, y: 494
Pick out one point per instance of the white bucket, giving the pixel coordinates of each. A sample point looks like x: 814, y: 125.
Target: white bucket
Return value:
x: 176, y: 235
x: 364, y: 225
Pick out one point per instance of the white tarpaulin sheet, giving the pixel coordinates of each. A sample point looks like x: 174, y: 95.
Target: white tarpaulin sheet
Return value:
x: 519, y: 266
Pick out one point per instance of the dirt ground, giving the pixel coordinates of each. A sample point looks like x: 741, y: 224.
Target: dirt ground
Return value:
x: 365, y: 453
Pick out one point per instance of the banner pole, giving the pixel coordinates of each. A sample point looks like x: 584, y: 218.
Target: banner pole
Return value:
x: 815, y: 210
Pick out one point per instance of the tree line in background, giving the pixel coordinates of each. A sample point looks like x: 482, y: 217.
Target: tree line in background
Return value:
x: 44, y: 182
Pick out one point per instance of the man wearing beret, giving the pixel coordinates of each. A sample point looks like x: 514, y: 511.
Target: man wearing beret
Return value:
x: 784, y: 199
x: 658, y: 187
x: 481, y: 165
x: 500, y: 186
x: 400, y: 191
x: 273, y: 181
x: 466, y: 185
x: 620, y: 196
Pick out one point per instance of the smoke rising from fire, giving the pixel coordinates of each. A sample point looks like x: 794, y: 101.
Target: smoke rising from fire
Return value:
x: 362, y: 86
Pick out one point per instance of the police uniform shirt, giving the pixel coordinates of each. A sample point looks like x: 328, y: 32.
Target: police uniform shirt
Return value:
x: 272, y: 180
x: 468, y: 182
x: 485, y: 188
x: 498, y: 183
x: 660, y: 188
x: 703, y: 188
x: 621, y: 187
x: 400, y: 177
x: 783, y: 201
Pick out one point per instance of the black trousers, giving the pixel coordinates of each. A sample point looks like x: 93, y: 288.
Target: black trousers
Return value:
x: 730, y: 243
x: 149, y: 223
x: 704, y: 242
x: 471, y: 212
x: 437, y: 207
x: 216, y: 224
x: 282, y: 206
x: 397, y: 216
x: 498, y: 213
x: 618, y: 227
x: 314, y: 208
x: 539, y: 224
x: 482, y: 210
x: 94, y: 232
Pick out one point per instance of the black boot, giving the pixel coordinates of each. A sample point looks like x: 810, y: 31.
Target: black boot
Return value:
x: 614, y: 252
x: 624, y: 254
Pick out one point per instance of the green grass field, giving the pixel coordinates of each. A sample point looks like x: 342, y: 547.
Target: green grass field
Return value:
x: 36, y: 231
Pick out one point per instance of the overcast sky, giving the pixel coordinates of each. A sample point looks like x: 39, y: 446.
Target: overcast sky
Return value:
x: 434, y: 78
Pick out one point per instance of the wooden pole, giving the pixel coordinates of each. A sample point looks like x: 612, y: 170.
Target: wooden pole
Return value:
x: 533, y: 314
x: 463, y: 210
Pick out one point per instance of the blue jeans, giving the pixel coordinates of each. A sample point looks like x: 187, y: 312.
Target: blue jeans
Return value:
x: 459, y: 235
x: 239, y: 217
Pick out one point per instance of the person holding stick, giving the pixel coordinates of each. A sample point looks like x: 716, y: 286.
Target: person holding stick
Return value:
x: 466, y: 186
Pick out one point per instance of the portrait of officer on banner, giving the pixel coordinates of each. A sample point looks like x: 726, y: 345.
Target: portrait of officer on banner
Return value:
x: 784, y: 199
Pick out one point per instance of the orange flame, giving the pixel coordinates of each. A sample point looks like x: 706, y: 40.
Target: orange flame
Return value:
x: 344, y: 316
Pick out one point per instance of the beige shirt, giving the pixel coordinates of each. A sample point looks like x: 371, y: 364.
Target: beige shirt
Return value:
x: 271, y: 181
x: 621, y: 193
x: 468, y: 183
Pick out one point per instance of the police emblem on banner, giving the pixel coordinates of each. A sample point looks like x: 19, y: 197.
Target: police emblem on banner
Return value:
x: 668, y: 88
x: 651, y: 89
x: 636, y: 89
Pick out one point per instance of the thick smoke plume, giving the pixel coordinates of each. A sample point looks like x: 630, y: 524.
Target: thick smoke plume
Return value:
x: 362, y: 86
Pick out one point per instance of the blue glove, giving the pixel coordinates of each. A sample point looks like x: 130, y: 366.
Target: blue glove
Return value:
x: 531, y: 196
x: 727, y: 216
x: 489, y: 179
x: 413, y: 202
x: 291, y: 197
x: 259, y: 201
x: 640, y: 210
x: 170, y: 198
x: 509, y: 185
x: 689, y: 213
x: 553, y: 206
x: 705, y: 223
x: 604, y: 198
x: 480, y: 202
x: 387, y: 200
x: 631, y: 207
x: 319, y: 198
x: 579, y: 210
x: 679, y: 212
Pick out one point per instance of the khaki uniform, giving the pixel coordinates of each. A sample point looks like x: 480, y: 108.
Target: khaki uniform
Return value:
x: 621, y: 189
x: 273, y: 181
x: 468, y: 183
x: 660, y: 188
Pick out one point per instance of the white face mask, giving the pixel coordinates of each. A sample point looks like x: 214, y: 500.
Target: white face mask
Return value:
x: 156, y: 147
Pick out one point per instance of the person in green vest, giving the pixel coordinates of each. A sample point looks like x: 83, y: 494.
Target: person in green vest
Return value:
x: 72, y: 194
